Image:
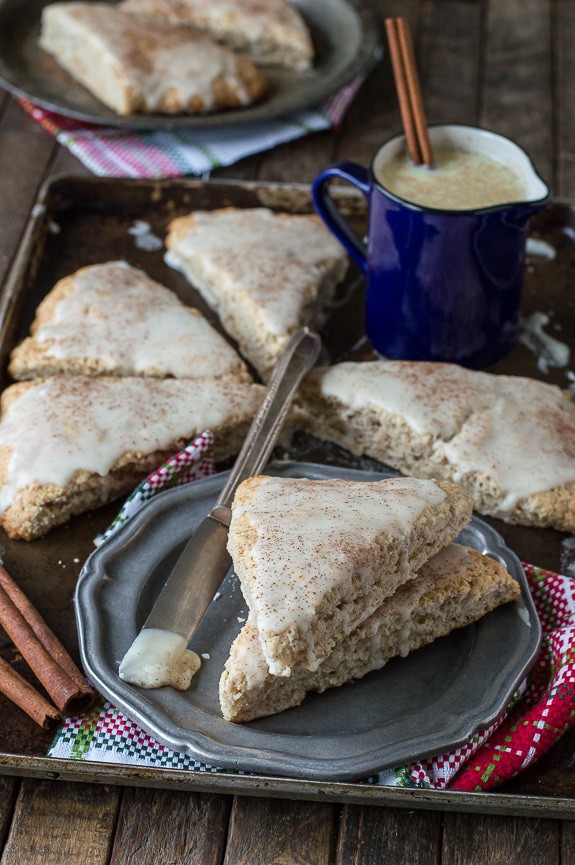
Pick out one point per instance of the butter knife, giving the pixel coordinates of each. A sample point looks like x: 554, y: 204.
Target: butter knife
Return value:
x: 159, y: 655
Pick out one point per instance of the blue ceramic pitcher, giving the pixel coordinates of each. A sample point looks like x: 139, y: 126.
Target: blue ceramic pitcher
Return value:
x: 441, y: 285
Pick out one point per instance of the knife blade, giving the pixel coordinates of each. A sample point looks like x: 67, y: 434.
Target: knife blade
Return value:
x: 159, y: 655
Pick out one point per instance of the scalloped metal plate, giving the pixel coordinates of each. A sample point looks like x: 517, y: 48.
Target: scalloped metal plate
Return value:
x: 433, y: 700
x: 343, y: 31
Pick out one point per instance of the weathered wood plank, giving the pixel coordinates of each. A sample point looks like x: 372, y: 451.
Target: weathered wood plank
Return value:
x: 267, y: 831
x: 58, y: 822
x: 390, y: 835
x: 8, y: 791
x: 568, y: 843
x: 25, y: 152
x: 65, y: 163
x: 374, y: 115
x: 517, y: 92
x: 475, y: 839
x: 564, y: 30
x: 179, y: 828
x: 449, y: 60
x: 298, y: 161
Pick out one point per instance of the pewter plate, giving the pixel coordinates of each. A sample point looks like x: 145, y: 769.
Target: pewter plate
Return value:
x: 434, y: 699
x: 343, y: 31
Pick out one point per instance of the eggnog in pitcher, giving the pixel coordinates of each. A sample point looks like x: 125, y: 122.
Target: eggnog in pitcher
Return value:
x: 459, y: 180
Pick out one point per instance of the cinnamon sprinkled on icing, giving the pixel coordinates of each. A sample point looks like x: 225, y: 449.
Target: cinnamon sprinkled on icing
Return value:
x: 519, y: 431
x: 313, y: 535
x: 89, y: 423
x: 276, y: 260
x: 117, y: 314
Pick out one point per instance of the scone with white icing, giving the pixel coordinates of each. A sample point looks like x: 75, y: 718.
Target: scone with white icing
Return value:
x: 71, y: 443
x: 456, y: 587
x: 315, y: 558
x: 508, y: 440
x: 112, y: 319
x: 133, y: 66
x: 266, y: 274
x: 272, y: 33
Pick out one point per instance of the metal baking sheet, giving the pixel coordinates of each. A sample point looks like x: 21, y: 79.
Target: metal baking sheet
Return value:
x: 414, y: 707
x: 343, y: 32
x: 84, y: 220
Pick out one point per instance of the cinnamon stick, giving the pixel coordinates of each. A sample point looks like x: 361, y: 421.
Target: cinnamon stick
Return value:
x: 414, y: 90
x: 43, y: 652
x: 408, y: 89
x: 20, y: 692
x: 400, y: 77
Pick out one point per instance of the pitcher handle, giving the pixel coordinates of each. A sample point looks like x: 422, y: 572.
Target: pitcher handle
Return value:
x: 327, y: 209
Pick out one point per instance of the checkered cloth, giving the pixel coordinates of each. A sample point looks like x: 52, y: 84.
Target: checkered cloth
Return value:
x: 541, y: 711
x: 160, y: 153
x: 194, y: 462
x: 538, y: 715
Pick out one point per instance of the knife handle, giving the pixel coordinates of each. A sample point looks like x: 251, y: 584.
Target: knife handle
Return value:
x: 294, y: 362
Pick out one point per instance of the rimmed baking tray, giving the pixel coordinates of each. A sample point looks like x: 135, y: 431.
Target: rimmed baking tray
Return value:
x: 77, y: 221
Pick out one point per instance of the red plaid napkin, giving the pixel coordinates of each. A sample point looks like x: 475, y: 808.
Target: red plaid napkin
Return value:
x: 535, y: 720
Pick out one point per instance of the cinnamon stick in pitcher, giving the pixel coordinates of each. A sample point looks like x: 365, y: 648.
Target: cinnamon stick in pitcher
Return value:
x: 408, y: 90
x: 42, y: 650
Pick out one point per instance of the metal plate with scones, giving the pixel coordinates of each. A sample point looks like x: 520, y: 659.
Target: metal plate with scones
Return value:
x: 344, y: 38
x: 415, y: 706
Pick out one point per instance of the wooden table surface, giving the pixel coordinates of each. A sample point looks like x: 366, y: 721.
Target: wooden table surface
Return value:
x: 508, y: 65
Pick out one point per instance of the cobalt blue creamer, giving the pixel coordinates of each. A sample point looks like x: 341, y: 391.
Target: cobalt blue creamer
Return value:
x: 441, y: 284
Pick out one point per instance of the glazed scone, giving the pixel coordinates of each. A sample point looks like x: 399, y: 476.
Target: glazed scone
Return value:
x: 508, y: 440
x: 70, y: 443
x: 272, y: 33
x: 134, y: 67
x: 266, y: 274
x: 456, y: 587
x: 111, y: 319
x: 315, y: 558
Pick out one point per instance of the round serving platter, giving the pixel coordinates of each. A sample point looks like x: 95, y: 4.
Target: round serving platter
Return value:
x: 343, y: 32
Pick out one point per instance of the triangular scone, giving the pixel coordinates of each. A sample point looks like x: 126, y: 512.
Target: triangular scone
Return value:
x: 266, y: 274
x: 315, y: 558
x: 455, y: 588
x: 70, y: 443
x: 508, y: 440
x: 271, y: 32
x: 111, y: 319
x: 133, y: 66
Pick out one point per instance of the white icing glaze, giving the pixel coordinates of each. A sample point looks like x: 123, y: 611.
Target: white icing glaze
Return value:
x: 314, y: 535
x: 518, y: 431
x: 118, y: 314
x: 157, y: 658
x: 454, y: 559
x: 88, y: 423
x: 277, y: 261
x: 243, y: 22
x: 551, y: 351
x: 165, y: 66
x: 536, y: 246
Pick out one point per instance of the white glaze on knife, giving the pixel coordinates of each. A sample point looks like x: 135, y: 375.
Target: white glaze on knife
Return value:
x: 157, y: 658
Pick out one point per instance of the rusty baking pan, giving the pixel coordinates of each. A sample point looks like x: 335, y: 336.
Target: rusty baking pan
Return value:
x: 83, y: 220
